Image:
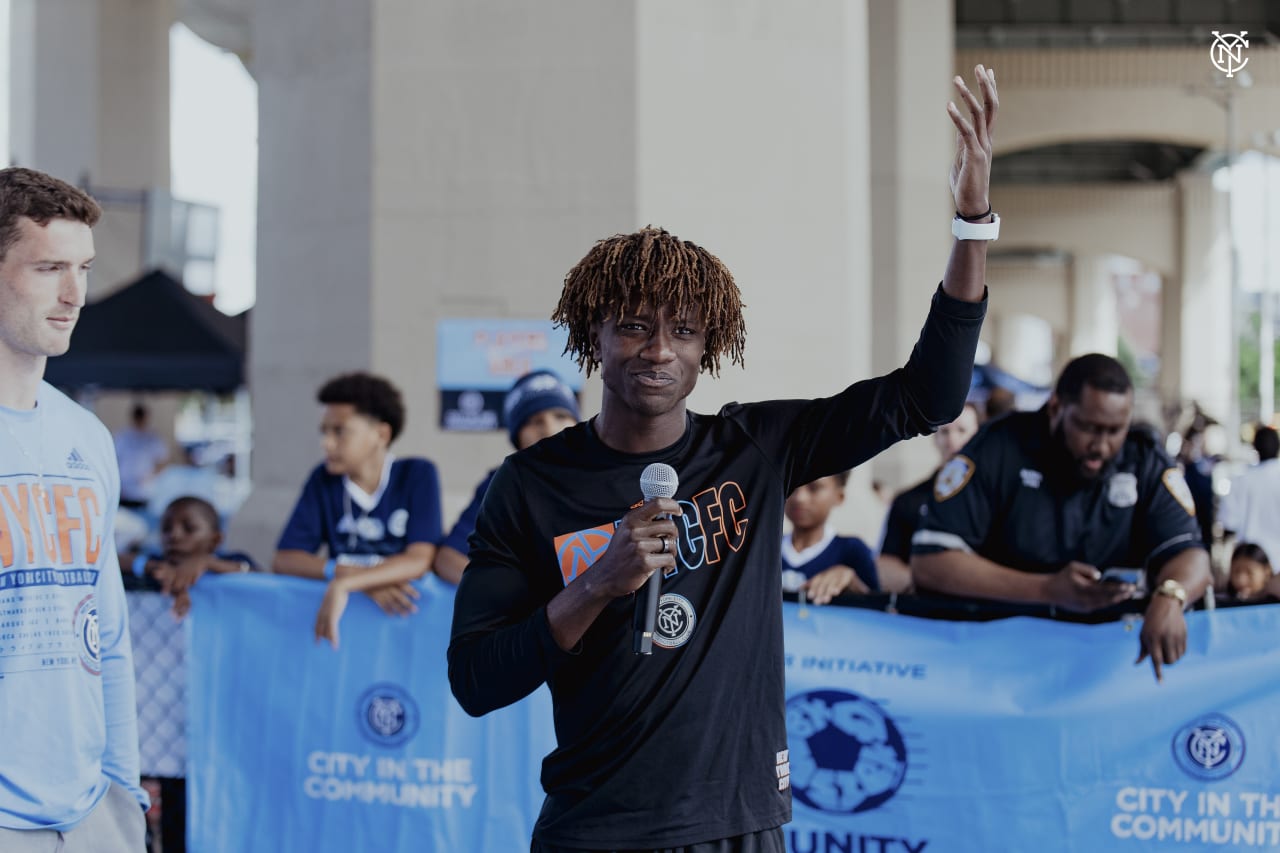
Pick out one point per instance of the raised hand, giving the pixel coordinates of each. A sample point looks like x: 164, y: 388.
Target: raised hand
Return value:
x: 971, y: 172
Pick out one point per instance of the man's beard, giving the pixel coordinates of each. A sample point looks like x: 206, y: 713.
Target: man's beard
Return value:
x: 1068, y: 464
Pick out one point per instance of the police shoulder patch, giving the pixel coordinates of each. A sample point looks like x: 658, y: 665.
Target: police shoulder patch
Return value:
x: 1177, y: 486
x: 953, y: 477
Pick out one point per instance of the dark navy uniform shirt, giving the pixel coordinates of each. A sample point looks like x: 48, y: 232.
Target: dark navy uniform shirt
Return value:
x: 1012, y: 496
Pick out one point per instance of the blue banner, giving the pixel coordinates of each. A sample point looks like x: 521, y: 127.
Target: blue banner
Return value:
x: 1029, y: 735
x: 293, y: 746
x: 906, y: 734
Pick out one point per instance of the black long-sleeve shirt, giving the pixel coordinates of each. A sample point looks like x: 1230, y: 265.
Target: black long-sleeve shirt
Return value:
x: 690, y: 744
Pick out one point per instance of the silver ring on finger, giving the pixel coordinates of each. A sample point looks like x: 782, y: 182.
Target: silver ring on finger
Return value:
x: 663, y: 540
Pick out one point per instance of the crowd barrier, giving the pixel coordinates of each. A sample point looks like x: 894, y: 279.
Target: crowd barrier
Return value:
x: 906, y: 734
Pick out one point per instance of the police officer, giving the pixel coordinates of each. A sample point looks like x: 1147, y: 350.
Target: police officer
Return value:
x: 1040, y: 502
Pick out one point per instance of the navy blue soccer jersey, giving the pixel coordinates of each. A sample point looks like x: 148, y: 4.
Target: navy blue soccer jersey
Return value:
x: 335, y: 513
x: 466, y: 523
x: 833, y: 551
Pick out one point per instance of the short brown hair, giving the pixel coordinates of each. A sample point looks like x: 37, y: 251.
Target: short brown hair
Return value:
x: 26, y: 193
x: 656, y: 268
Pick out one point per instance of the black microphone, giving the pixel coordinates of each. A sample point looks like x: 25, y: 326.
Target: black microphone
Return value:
x: 658, y: 480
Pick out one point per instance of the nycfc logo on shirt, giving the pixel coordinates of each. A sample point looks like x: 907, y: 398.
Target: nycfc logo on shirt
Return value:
x: 1210, y: 747
x: 398, y: 523
x: 847, y: 755
x: 86, y: 628
x: 675, y: 623
x: 387, y: 714
x: 367, y: 527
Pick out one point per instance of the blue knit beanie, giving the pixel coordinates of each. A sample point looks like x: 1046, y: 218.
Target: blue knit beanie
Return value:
x: 535, y: 392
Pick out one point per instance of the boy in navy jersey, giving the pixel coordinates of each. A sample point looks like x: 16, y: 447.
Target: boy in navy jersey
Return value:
x: 814, y: 558
x: 683, y: 750
x: 378, y: 517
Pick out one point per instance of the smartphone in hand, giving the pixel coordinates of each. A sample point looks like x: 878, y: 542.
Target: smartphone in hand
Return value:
x: 1120, y: 575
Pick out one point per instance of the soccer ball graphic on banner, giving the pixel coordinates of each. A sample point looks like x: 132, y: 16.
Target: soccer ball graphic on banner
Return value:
x: 847, y: 756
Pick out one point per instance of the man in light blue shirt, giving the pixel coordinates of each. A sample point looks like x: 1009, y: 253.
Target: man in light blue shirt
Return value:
x: 69, y: 765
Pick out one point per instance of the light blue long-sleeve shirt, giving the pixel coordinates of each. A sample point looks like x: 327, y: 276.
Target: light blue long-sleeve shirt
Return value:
x: 67, y: 704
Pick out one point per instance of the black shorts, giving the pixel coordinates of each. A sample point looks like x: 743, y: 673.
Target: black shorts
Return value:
x: 765, y: 841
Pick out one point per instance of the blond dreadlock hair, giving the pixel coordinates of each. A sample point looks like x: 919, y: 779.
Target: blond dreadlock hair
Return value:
x: 651, y: 268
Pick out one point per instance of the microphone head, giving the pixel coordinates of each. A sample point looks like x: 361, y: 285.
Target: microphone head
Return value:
x: 659, y: 480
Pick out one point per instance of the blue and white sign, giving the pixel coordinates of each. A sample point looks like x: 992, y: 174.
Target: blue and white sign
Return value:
x: 910, y: 734
x: 294, y: 746
x: 479, y: 360
x: 905, y: 735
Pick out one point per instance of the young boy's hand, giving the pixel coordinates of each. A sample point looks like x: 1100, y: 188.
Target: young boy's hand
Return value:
x: 330, y: 612
x: 395, y: 599
x: 829, y: 583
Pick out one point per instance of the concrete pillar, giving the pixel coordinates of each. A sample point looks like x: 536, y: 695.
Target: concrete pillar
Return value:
x: 910, y: 53
x: 451, y: 159
x: 1196, y: 303
x: 1095, y: 318
x: 419, y: 161
x: 89, y: 94
x: 753, y: 141
x: 1030, y: 313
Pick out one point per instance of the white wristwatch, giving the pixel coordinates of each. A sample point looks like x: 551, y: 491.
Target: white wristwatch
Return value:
x: 976, y: 230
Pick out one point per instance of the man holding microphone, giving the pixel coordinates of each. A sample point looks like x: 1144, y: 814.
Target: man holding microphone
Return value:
x: 686, y: 749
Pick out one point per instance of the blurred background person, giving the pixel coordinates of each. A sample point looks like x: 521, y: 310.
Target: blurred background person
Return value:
x: 538, y: 405
x: 141, y: 453
x: 1040, y: 502
x: 191, y: 545
x: 905, y: 511
x: 1250, y: 511
x: 1251, y: 575
x: 814, y: 558
x: 376, y: 517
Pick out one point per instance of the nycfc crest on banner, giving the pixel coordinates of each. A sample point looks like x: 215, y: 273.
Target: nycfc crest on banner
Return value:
x: 1211, y: 747
x: 388, y: 715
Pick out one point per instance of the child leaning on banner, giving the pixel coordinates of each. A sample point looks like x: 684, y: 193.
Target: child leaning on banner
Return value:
x: 377, y: 517
x: 538, y: 406
x: 190, y: 540
x: 814, y: 558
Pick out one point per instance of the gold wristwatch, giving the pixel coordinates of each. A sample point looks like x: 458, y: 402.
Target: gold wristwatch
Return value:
x: 1173, y: 589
